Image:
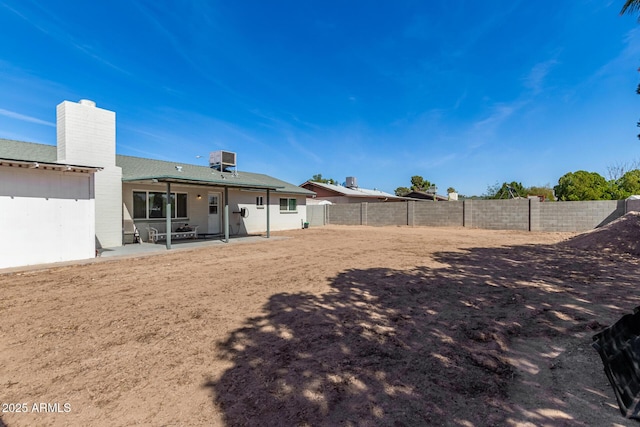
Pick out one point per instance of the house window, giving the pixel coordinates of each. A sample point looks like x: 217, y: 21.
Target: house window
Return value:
x: 157, y: 205
x: 213, y: 205
x: 153, y: 204
x: 181, y: 205
x: 259, y: 201
x: 139, y: 204
x: 288, y: 205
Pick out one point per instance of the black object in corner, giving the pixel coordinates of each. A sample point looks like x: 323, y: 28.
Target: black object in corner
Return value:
x: 619, y: 349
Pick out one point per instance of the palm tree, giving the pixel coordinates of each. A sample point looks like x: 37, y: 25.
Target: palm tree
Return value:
x: 630, y: 6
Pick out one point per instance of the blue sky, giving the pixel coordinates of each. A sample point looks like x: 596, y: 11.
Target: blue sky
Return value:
x: 464, y: 93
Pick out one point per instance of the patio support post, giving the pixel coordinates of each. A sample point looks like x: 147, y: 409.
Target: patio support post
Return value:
x: 268, y: 209
x: 168, y: 212
x: 226, y: 214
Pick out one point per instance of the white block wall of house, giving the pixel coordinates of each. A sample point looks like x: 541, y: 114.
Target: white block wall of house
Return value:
x: 86, y: 135
x: 45, y: 217
x: 108, y: 207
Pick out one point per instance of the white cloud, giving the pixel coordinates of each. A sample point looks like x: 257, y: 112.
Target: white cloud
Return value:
x: 54, y: 28
x: 627, y: 58
x: 485, y: 130
x: 500, y: 113
x: 301, y: 149
x: 537, y: 75
x: 24, y: 118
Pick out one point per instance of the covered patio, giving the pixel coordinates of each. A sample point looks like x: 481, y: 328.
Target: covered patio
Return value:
x: 174, y: 201
x: 168, y: 181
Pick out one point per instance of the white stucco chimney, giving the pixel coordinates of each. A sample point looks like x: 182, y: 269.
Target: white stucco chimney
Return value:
x: 87, y: 136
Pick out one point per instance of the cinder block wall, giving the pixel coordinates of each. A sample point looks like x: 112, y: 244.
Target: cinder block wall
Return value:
x: 316, y: 215
x: 497, y: 214
x: 579, y: 216
x: 632, y: 205
x: 438, y: 214
x: 386, y: 213
x: 521, y: 214
x: 344, y: 214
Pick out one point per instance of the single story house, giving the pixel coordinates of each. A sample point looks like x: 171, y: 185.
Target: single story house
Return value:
x: 60, y: 203
x: 350, y: 193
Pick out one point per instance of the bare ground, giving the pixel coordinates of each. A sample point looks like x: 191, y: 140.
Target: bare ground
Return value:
x: 356, y: 326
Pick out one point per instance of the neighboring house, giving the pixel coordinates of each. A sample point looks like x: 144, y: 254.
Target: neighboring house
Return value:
x: 65, y: 201
x: 423, y: 195
x: 350, y: 193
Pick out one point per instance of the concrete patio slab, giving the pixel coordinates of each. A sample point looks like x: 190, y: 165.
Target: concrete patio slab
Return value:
x: 135, y: 250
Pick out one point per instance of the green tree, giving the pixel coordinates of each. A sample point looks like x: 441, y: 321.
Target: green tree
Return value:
x: 630, y: 183
x: 402, y: 191
x: 451, y: 190
x: 506, y: 191
x: 492, y: 190
x: 318, y: 178
x: 418, y: 183
x: 545, y: 191
x: 582, y: 185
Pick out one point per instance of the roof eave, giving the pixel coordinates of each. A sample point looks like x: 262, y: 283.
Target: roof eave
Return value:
x: 33, y: 164
x: 196, y: 181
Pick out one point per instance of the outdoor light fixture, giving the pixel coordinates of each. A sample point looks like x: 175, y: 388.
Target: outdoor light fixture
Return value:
x: 199, y: 197
x: 36, y: 165
x: 154, y: 180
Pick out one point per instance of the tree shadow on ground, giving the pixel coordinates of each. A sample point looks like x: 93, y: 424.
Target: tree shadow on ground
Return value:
x: 428, y: 346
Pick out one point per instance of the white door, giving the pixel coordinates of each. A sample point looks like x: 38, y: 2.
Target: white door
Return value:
x: 214, y: 213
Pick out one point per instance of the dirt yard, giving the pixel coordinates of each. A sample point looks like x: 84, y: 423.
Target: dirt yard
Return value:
x: 339, y: 326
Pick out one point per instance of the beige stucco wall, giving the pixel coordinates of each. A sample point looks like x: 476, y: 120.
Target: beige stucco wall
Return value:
x: 197, y: 209
x: 256, y: 221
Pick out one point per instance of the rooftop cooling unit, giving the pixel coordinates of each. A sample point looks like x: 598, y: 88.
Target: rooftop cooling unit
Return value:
x: 222, y: 160
x: 352, y: 182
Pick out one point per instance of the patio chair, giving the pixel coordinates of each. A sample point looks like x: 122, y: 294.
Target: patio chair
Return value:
x: 129, y: 229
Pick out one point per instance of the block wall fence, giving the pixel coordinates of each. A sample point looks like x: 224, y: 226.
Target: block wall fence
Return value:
x: 516, y: 214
